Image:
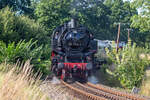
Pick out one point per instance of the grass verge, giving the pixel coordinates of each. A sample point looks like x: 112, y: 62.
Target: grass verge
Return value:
x: 145, y: 88
x: 19, y: 83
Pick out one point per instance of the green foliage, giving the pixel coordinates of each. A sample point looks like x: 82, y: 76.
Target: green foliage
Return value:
x: 13, y: 28
x: 52, y: 13
x: 130, y: 67
x: 97, y: 15
x: 100, y: 17
x: 121, y: 12
x: 17, y: 5
x: 142, y: 20
x: 96, y: 18
x: 126, y: 13
x: 23, y: 51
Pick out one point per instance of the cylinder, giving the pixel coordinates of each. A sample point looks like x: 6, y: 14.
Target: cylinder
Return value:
x: 73, y: 23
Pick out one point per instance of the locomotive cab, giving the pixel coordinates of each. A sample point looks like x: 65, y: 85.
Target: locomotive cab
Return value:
x: 73, y: 49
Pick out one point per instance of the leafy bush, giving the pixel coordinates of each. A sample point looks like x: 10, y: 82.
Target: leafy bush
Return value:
x: 23, y: 51
x: 15, y: 27
x: 130, y: 67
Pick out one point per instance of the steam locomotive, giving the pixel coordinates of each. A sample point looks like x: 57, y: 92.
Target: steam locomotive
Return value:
x: 73, y: 49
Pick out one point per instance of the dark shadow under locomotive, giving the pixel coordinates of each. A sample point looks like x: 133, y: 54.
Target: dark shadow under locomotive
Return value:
x: 73, y: 49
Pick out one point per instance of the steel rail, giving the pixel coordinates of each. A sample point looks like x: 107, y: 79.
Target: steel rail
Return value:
x: 118, y: 93
x: 87, y: 95
x: 99, y: 92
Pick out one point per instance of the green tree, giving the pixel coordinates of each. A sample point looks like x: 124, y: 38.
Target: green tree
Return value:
x: 52, y: 13
x: 98, y: 15
x: 121, y: 12
x: 96, y: 19
x: 13, y: 28
x: 142, y: 20
x: 23, y: 6
x: 92, y: 14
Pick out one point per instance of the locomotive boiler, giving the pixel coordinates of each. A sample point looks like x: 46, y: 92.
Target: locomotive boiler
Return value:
x: 73, y: 49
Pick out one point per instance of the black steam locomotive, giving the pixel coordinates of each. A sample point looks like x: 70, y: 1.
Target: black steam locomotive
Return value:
x: 73, y: 49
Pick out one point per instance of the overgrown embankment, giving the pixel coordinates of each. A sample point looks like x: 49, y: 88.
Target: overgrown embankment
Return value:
x: 145, y: 88
x: 129, y: 66
x: 22, y: 51
x: 17, y: 82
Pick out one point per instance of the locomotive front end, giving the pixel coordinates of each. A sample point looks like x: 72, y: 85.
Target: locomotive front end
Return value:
x: 73, y: 49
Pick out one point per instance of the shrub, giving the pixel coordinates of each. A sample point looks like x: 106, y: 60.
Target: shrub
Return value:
x: 14, y: 28
x: 23, y: 51
x: 130, y: 67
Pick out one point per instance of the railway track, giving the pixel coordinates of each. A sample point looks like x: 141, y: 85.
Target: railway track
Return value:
x: 94, y: 92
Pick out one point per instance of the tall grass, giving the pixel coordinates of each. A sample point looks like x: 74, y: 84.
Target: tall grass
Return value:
x: 18, y: 83
x: 145, y: 88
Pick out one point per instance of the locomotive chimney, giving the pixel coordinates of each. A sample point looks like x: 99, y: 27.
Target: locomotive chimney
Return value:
x: 73, y: 23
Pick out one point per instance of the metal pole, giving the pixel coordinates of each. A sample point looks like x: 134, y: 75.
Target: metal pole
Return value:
x: 118, y: 37
x: 129, y: 33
